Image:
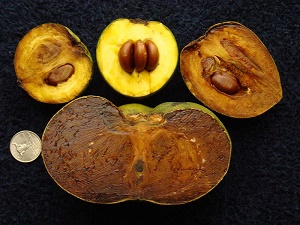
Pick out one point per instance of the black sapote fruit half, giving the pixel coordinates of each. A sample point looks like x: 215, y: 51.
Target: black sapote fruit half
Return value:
x: 137, y: 57
x: 171, y: 154
x: 52, y: 64
x: 231, y: 71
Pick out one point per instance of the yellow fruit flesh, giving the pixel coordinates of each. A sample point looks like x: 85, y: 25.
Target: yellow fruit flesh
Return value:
x: 45, y: 48
x: 143, y: 83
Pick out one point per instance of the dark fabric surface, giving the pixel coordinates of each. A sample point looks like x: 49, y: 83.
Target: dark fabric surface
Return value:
x: 263, y: 182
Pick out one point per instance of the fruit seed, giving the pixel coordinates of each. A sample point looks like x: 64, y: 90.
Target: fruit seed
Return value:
x: 139, y: 55
x: 60, y: 74
x: 225, y: 82
x: 153, y: 55
x: 126, y: 56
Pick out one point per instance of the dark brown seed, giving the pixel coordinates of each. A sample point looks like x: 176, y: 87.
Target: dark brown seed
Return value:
x: 60, y: 74
x: 225, y: 82
x: 153, y: 55
x: 126, y: 56
x: 140, y: 55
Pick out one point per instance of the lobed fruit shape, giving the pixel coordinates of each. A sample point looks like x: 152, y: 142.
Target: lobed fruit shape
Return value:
x: 137, y: 57
x: 231, y: 71
x: 171, y: 154
x: 52, y: 64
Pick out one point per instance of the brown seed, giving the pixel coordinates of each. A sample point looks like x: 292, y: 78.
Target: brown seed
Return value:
x: 126, y: 58
x: 153, y: 55
x: 60, y: 74
x: 225, y: 82
x: 140, y: 55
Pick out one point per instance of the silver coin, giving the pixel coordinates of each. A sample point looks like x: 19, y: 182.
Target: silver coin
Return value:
x: 25, y: 146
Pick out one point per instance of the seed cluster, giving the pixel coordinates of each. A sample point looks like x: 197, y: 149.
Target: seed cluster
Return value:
x: 138, y: 55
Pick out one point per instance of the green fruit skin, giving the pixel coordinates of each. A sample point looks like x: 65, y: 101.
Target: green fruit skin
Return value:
x: 164, y: 108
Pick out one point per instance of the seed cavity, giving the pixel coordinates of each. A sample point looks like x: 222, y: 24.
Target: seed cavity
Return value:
x: 237, y: 53
x: 60, y: 74
x: 46, y: 52
x: 209, y: 66
x: 138, y: 55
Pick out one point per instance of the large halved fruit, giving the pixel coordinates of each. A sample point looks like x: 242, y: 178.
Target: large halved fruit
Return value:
x: 172, y: 154
x: 231, y: 71
x: 52, y: 64
x: 137, y: 57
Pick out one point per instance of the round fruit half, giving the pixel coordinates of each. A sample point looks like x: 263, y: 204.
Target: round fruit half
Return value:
x: 231, y: 71
x: 52, y: 64
x: 171, y: 154
x: 137, y: 57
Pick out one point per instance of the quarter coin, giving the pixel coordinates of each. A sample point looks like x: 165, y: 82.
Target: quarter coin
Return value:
x: 25, y: 146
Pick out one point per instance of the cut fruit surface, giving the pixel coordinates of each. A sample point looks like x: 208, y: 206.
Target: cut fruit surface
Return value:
x: 148, y: 59
x: 171, y: 154
x: 52, y: 64
x: 231, y: 71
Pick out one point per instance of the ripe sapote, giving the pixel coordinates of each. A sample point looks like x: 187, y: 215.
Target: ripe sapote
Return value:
x: 171, y: 154
x: 137, y: 57
x: 52, y: 64
x: 231, y: 71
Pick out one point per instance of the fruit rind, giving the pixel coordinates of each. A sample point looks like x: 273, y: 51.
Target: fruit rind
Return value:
x: 166, y: 107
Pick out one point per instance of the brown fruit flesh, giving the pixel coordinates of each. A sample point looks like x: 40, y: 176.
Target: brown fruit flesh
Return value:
x: 233, y: 49
x: 98, y: 154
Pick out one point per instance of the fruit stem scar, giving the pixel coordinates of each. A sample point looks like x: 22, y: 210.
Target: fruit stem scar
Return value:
x: 139, y: 21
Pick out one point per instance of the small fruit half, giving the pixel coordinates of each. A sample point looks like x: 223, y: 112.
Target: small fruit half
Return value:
x: 231, y: 71
x: 171, y: 154
x: 137, y: 57
x: 52, y: 64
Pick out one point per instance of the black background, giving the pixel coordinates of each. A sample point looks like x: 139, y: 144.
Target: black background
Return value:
x: 263, y: 182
